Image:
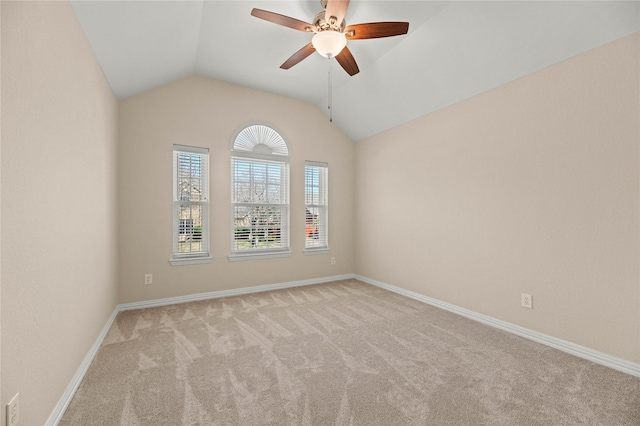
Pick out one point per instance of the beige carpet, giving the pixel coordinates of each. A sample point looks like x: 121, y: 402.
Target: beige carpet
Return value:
x: 339, y: 353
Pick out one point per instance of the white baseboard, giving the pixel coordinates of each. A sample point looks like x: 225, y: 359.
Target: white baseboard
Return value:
x: 568, y: 347
x: 66, y: 397
x: 571, y: 348
x: 68, y: 394
x: 228, y: 293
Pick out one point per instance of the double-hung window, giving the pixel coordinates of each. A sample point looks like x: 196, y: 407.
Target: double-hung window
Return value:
x: 316, y: 207
x: 190, y: 205
x: 259, y: 194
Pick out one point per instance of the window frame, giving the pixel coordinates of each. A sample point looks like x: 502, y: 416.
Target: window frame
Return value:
x: 255, y: 144
x: 179, y: 224
x: 321, y: 207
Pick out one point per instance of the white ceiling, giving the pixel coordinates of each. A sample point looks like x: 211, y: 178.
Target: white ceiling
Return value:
x: 454, y: 49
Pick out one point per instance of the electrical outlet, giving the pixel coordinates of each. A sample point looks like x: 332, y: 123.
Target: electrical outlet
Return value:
x: 148, y: 278
x: 333, y: 260
x: 527, y: 301
x: 13, y: 411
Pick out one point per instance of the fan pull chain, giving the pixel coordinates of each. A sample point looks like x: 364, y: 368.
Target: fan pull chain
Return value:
x: 330, y: 94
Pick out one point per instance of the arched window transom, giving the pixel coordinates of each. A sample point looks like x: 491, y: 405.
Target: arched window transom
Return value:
x: 260, y: 139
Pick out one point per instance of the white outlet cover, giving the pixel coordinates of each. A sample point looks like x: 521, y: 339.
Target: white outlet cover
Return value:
x: 527, y: 301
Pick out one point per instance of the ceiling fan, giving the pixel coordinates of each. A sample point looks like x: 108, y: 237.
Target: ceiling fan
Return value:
x: 331, y: 33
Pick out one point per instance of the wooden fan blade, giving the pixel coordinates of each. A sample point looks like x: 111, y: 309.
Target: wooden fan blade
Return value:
x: 298, y: 56
x: 283, y: 20
x: 346, y: 60
x: 337, y: 9
x: 376, y: 30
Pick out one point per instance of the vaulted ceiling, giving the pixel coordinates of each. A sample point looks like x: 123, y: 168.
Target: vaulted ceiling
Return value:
x: 454, y: 49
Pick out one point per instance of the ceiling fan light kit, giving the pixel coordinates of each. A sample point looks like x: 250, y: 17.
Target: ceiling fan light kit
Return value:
x: 329, y: 43
x: 330, y: 36
x: 332, y: 33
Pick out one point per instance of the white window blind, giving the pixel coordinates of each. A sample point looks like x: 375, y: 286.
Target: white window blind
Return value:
x: 190, y: 203
x: 260, y: 205
x: 316, y: 178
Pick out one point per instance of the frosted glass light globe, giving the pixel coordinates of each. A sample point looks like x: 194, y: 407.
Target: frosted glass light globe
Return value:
x: 329, y: 43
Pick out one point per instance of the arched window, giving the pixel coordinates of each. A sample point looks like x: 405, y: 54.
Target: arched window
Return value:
x: 259, y: 193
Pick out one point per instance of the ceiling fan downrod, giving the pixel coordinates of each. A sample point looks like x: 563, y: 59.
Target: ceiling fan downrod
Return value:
x: 330, y: 97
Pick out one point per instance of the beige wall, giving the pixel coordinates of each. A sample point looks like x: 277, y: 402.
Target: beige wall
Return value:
x: 59, y: 267
x: 1, y: 400
x: 528, y: 188
x: 532, y: 187
x: 202, y: 112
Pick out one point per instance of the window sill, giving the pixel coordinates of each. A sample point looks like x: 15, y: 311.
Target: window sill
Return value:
x: 314, y: 251
x: 190, y: 261
x: 257, y: 256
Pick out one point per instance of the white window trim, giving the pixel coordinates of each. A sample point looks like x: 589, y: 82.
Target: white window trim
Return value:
x: 310, y: 251
x: 253, y: 149
x: 178, y: 259
x: 238, y: 257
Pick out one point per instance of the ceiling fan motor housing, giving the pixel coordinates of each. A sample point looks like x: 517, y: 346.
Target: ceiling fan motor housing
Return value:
x: 322, y: 25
